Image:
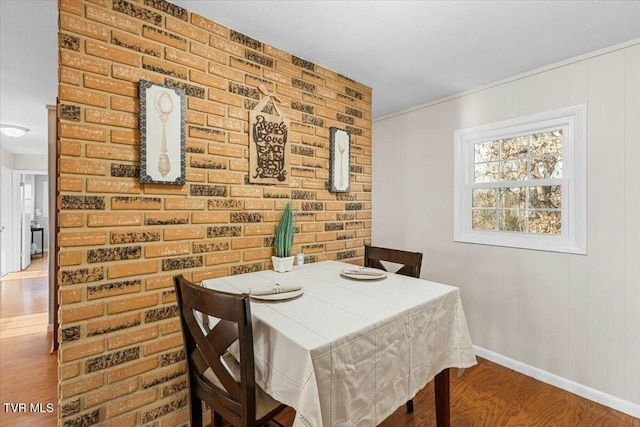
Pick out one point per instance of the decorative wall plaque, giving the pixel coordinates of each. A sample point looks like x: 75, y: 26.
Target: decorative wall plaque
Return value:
x: 269, y: 150
x: 162, y: 133
x: 339, y: 163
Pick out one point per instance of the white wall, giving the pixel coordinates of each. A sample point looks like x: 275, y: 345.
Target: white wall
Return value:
x: 6, y: 158
x: 574, y: 316
x: 30, y: 162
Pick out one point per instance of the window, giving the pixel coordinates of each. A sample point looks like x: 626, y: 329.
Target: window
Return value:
x: 522, y: 182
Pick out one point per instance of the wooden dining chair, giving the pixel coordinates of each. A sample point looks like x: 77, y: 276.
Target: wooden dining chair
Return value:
x: 411, y: 265
x: 215, y: 376
x: 411, y: 261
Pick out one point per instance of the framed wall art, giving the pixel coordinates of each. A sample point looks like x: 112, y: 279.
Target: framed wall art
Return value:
x: 339, y: 163
x: 269, y: 149
x: 162, y: 133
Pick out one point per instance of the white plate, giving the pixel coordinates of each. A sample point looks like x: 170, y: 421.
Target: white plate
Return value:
x: 366, y: 274
x: 279, y: 296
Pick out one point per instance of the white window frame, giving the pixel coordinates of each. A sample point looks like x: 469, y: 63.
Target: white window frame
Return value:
x: 573, y: 236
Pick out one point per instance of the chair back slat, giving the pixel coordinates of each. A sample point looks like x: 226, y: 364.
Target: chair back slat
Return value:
x: 411, y: 261
x: 205, y: 348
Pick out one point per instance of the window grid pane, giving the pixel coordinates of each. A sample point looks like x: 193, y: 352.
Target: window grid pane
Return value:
x: 554, y: 214
x: 519, y: 207
x: 525, y: 209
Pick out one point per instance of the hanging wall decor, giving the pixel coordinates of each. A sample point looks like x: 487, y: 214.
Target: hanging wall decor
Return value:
x: 162, y: 133
x: 339, y: 162
x: 268, y: 144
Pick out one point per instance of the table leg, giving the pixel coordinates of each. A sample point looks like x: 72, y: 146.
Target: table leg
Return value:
x: 443, y: 414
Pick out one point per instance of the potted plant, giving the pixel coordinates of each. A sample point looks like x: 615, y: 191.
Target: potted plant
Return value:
x: 283, y: 242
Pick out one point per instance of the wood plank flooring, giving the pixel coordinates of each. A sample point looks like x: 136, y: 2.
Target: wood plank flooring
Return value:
x: 25, y: 292
x: 490, y: 395
x: 486, y: 395
x: 28, y: 370
x: 28, y: 374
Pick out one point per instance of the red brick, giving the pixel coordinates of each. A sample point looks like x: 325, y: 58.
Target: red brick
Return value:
x: 209, y: 53
x: 112, y: 19
x: 79, y: 26
x: 113, y: 219
x: 226, y: 46
x: 81, y: 62
x: 112, y: 53
x: 183, y: 58
x: 82, y: 350
x: 134, y: 75
x: 222, y: 258
x: 126, y: 120
x: 69, y: 76
x: 184, y: 29
x: 164, y: 37
x: 70, y: 183
x: 83, y: 96
x: 70, y: 258
x: 112, y: 186
x: 166, y: 250
x: 208, y: 25
x: 208, y: 80
x: 209, y: 217
x: 132, y: 369
x: 130, y: 403
x: 112, y: 86
x: 71, y: 6
x: 68, y: 220
x: 224, y: 71
x: 82, y: 238
x: 126, y: 269
x: 113, y: 152
x: 125, y: 136
x: 124, y: 104
x: 183, y: 233
x: 206, y: 106
x: 75, y: 314
x: 70, y: 148
x: 81, y: 386
x: 108, y: 393
x: 83, y: 132
x: 83, y: 167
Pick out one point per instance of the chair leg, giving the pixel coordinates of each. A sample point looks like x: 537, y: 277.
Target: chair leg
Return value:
x: 410, y: 406
x: 196, y: 411
x: 217, y: 419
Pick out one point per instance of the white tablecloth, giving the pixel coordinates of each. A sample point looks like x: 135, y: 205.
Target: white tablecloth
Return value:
x: 349, y: 353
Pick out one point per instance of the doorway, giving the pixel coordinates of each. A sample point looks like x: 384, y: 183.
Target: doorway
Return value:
x: 24, y: 285
x: 6, y: 221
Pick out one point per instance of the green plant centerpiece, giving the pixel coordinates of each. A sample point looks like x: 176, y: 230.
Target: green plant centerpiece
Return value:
x: 283, y: 241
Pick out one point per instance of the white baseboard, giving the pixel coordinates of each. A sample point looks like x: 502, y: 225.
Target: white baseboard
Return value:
x: 605, y: 399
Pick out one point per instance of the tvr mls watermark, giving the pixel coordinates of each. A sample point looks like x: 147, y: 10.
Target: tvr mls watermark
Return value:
x: 28, y: 407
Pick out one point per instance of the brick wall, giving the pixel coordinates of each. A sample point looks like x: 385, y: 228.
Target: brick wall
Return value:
x: 121, y: 242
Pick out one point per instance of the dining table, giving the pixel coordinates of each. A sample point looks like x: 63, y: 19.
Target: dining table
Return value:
x: 349, y: 349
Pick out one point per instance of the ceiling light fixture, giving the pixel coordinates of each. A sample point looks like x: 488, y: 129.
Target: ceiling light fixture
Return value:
x: 13, y: 131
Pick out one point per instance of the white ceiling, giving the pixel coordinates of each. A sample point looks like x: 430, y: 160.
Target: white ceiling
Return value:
x: 408, y: 52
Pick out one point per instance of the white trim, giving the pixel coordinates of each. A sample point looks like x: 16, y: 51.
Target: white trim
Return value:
x: 573, y: 238
x: 581, y: 390
x: 560, y: 64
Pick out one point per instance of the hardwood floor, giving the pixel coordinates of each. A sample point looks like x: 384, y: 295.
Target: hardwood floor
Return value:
x: 28, y: 374
x: 486, y: 395
x: 24, y: 299
x: 28, y: 370
x: 490, y: 395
